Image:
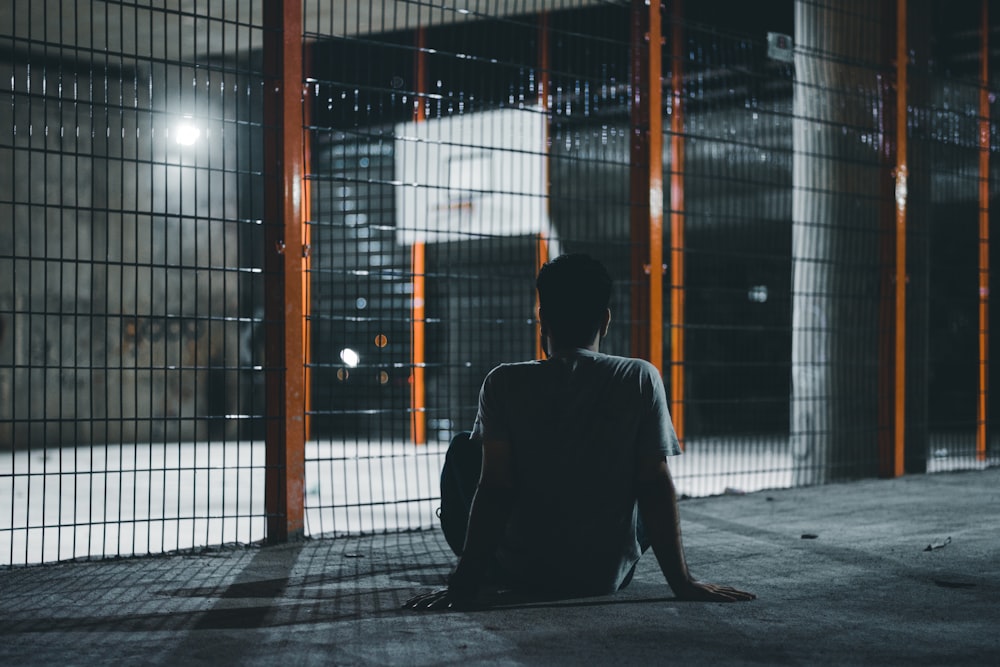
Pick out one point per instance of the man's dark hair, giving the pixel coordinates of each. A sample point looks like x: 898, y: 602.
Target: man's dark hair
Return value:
x: 574, y: 292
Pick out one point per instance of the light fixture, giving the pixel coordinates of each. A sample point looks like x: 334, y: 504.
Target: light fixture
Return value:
x: 350, y: 357
x: 186, y: 133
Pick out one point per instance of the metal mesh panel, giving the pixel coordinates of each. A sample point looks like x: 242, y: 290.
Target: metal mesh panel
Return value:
x: 788, y: 204
x: 947, y: 127
x: 128, y: 292
x: 409, y: 311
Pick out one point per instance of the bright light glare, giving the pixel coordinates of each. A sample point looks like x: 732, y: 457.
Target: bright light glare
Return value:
x: 349, y: 357
x: 187, y: 134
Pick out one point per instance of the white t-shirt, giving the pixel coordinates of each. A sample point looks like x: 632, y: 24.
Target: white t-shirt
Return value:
x: 578, y: 424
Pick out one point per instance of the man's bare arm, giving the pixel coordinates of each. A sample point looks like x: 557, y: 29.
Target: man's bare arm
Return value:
x: 660, y: 515
x: 487, y: 519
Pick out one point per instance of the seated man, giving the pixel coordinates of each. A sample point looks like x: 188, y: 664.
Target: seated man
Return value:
x: 570, y: 447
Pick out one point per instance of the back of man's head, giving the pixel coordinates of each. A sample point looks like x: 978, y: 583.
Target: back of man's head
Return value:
x: 574, y: 292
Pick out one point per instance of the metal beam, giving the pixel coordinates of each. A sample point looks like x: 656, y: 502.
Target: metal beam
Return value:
x: 677, y: 243
x: 902, y: 199
x: 984, y: 233
x: 284, y: 271
x: 646, y: 182
x: 418, y: 269
x: 542, y: 241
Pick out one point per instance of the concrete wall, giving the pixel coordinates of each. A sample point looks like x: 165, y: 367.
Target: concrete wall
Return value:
x: 119, y: 250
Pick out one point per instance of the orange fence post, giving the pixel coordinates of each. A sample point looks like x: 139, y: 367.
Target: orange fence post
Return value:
x: 984, y: 234
x: 542, y: 243
x: 899, y: 422
x: 541, y: 256
x: 418, y: 269
x: 638, y: 183
x: 543, y: 60
x: 284, y: 271
x: 677, y: 246
x: 654, y: 100
x: 418, y: 419
x: 306, y: 216
x: 646, y: 183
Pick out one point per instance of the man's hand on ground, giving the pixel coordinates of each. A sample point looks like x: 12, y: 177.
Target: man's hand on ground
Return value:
x: 443, y: 599
x: 697, y: 591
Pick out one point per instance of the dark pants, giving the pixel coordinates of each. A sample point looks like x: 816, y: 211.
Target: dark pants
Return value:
x: 459, y: 478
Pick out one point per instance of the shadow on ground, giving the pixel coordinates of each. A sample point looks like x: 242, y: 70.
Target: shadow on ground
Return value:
x: 873, y: 572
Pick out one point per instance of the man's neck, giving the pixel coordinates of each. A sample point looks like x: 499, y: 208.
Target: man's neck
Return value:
x: 556, y: 348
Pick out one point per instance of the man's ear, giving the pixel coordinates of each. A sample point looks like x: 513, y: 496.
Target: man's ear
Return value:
x: 543, y: 327
x: 607, y: 323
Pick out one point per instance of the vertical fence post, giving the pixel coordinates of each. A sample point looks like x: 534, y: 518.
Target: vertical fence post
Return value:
x: 646, y: 182
x: 984, y: 233
x: 887, y: 247
x: 284, y: 273
x: 418, y: 269
x: 677, y: 245
x: 638, y: 185
x: 418, y: 415
x: 902, y: 61
x: 542, y: 242
x: 654, y: 99
x: 305, y: 213
x: 892, y: 309
x: 541, y: 257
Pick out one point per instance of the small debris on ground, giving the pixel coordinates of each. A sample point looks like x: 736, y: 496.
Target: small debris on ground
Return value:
x: 937, y: 545
x: 809, y: 536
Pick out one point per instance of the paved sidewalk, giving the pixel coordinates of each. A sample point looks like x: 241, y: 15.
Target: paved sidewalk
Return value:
x: 864, y: 591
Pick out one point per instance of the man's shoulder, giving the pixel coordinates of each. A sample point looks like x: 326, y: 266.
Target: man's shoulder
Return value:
x: 632, y: 364
x: 514, y: 366
x: 529, y: 371
x: 512, y: 369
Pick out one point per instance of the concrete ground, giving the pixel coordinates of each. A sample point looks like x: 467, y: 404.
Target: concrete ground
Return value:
x: 877, y: 572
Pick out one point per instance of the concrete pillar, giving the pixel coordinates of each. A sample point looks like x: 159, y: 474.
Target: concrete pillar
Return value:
x: 835, y: 240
